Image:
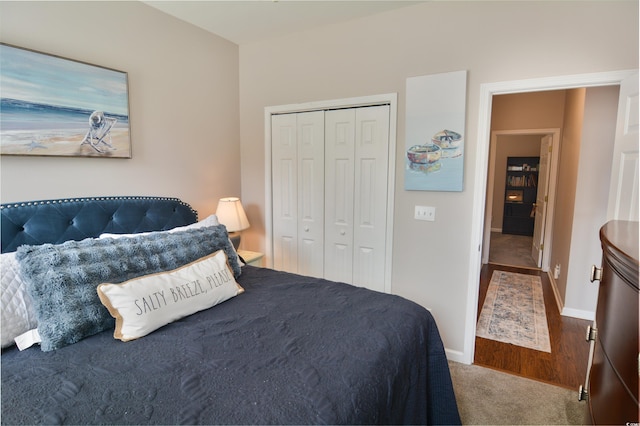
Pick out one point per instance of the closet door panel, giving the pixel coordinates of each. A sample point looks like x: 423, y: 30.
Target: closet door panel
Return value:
x: 285, y: 191
x: 311, y: 193
x: 339, y: 181
x: 287, y: 254
x: 370, y: 201
x: 366, y: 274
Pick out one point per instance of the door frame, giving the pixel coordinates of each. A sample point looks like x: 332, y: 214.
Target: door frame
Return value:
x: 487, y: 91
x: 553, y: 173
x: 390, y: 99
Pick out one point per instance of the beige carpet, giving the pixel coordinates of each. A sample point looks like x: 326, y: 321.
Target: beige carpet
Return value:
x: 490, y: 397
x: 514, y: 312
x: 512, y: 250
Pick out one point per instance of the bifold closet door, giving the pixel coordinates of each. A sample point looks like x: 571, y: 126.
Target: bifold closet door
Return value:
x: 356, y: 173
x: 298, y: 192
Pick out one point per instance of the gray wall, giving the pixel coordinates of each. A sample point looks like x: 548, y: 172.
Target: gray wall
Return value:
x: 494, y: 41
x: 194, y: 97
x: 183, y: 97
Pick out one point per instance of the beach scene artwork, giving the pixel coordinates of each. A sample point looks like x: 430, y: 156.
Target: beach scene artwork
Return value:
x: 52, y: 106
x: 435, y: 127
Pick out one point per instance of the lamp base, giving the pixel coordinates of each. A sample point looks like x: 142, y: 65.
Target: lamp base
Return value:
x: 235, y: 239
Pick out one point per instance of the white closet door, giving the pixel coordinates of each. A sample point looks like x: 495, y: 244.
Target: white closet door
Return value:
x: 329, y: 184
x: 298, y: 192
x: 310, y: 127
x: 339, y: 184
x: 284, y: 155
x: 370, y: 196
x: 624, y: 188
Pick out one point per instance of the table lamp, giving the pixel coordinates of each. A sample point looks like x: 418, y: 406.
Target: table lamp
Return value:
x: 231, y: 214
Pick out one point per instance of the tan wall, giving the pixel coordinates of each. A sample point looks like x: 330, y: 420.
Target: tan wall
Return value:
x: 494, y: 41
x: 534, y: 110
x: 567, y: 182
x: 183, y: 96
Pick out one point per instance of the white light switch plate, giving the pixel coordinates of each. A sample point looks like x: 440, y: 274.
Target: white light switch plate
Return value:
x: 425, y: 213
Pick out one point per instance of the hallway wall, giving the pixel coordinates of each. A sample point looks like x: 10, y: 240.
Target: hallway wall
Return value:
x: 566, y: 189
x: 590, y: 201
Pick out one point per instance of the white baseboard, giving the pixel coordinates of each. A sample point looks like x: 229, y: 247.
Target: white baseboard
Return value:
x: 564, y: 311
x: 556, y: 292
x: 578, y: 313
x: 456, y: 356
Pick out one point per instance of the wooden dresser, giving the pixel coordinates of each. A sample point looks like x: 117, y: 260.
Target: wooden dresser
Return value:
x: 613, y: 377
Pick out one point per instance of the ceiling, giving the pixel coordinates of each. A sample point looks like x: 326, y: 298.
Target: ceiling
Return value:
x: 247, y: 21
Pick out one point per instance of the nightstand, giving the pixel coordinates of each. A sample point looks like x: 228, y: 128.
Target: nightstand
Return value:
x: 252, y: 258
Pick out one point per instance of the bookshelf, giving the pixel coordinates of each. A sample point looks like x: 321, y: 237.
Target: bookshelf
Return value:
x: 521, y: 188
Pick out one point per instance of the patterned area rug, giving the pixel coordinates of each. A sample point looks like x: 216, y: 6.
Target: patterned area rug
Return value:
x: 513, y: 311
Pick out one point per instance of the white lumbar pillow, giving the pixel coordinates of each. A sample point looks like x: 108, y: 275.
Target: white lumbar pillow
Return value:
x: 144, y: 304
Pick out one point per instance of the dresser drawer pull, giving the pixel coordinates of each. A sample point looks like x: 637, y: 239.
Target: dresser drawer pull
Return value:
x: 596, y: 273
x: 592, y: 333
x: 583, y: 394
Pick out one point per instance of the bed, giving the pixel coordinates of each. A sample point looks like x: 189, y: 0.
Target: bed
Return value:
x: 286, y: 349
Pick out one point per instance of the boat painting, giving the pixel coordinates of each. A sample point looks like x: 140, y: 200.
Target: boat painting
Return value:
x: 435, y: 125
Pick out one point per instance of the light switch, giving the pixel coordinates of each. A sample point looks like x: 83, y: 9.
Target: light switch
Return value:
x: 425, y: 213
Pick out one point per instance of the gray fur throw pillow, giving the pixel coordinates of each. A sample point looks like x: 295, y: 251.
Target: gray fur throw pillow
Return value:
x: 62, y: 279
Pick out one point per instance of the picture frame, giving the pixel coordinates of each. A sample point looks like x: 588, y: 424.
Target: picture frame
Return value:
x: 435, y: 130
x: 55, y: 106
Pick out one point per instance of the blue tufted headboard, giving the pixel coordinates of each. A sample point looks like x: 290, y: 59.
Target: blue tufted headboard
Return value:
x: 56, y: 221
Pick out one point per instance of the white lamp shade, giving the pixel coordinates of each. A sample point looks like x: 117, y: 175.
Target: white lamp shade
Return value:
x: 231, y: 214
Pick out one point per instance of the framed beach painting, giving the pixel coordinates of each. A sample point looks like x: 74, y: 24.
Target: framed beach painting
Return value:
x: 52, y: 106
x: 435, y: 127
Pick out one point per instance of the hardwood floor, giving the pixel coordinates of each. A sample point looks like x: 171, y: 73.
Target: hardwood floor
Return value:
x: 565, y: 366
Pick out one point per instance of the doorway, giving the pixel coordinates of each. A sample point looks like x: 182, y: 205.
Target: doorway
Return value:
x: 505, y: 248
x: 516, y: 158
x: 487, y: 91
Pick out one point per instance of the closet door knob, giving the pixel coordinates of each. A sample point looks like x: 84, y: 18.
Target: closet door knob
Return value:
x: 306, y: 229
x: 596, y: 273
x: 342, y: 232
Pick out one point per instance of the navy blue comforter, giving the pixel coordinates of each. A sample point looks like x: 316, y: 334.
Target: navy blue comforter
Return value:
x: 290, y: 350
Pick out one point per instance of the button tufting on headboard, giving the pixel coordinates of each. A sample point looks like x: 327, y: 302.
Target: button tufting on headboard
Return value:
x: 56, y: 221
